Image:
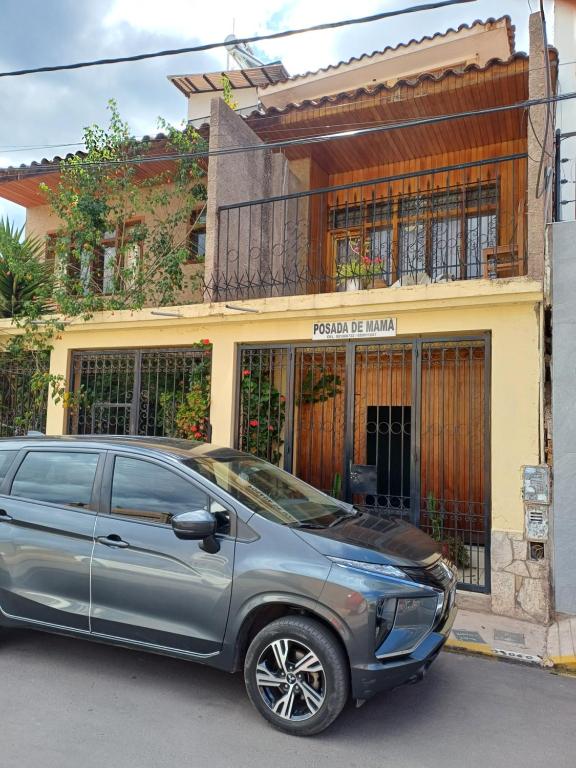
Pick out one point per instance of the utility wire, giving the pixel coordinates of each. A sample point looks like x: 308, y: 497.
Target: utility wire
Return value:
x: 261, y: 118
x: 39, y: 170
x: 252, y: 39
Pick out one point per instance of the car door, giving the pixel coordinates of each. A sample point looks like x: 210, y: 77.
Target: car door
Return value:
x: 47, y: 518
x: 148, y: 585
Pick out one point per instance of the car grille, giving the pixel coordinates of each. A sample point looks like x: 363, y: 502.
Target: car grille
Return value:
x: 440, y: 575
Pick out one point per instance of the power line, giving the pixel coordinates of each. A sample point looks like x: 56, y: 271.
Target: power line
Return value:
x: 261, y: 118
x: 37, y: 170
x: 252, y: 39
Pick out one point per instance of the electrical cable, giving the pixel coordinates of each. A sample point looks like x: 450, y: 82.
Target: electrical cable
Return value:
x: 38, y: 170
x: 243, y: 40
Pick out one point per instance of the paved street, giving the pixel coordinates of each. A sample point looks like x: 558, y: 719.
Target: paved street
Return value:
x: 73, y: 704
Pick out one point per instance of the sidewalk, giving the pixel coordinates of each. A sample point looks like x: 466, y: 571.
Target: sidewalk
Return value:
x: 500, y: 637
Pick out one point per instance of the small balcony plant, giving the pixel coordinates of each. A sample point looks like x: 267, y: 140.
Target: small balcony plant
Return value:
x: 359, y: 271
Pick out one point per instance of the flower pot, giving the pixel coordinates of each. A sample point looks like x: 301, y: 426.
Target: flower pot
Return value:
x: 352, y: 284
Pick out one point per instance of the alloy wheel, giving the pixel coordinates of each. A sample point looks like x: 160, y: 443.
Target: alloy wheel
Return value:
x: 291, y: 679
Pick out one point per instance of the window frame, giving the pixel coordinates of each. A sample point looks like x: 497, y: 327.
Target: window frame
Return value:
x: 464, y: 201
x: 92, y: 508
x: 197, y: 227
x: 96, y: 272
x: 179, y: 470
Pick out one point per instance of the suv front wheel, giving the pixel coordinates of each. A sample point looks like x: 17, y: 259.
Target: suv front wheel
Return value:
x: 296, y: 675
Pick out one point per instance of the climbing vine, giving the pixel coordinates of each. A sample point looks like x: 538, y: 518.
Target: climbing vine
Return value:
x: 121, y: 241
x: 263, y: 412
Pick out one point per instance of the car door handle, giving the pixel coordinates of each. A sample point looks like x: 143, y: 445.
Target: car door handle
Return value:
x: 113, y: 541
x: 4, y: 516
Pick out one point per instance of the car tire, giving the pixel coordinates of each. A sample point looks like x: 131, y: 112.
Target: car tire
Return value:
x: 297, y: 675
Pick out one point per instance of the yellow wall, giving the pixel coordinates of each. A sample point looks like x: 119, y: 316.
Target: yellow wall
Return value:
x: 510, y: 310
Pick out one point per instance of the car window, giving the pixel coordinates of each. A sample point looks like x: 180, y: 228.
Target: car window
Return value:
x: 6, y: 459
x: 145, y: 491
x: 60, y: 477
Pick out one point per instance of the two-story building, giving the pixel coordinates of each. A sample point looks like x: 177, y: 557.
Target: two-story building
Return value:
x: 373, y: 289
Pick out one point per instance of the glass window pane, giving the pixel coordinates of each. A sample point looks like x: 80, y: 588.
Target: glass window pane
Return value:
x: 145, y: 491
x: 480, y: 234
x: 57, y: 476
x: 412, y: 249
x: 446, y: 239
x: 381, y: 252
x: 6, y: 459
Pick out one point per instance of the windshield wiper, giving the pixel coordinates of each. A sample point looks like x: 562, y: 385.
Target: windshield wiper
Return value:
x: 356, y: 513
x: 304, y: 524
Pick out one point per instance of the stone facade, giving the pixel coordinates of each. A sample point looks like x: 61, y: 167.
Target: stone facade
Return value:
x: 520, y: 586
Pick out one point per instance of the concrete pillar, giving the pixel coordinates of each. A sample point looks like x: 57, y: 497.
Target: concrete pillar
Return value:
x: 223, y: 390
x: 56, y: 415
x: 538, y: 207
x: 247, y: 247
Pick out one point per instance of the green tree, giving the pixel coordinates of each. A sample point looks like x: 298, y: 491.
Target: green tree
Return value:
x: 143, y: 207
x: 113, y: 190
x: 25, y: 281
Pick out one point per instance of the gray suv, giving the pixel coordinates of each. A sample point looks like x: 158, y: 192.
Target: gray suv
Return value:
x: 213, y: 555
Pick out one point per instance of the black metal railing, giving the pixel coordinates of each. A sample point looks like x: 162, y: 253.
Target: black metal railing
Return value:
x: 23, y: 394
x: 152, y: 392
x: 458, y: 222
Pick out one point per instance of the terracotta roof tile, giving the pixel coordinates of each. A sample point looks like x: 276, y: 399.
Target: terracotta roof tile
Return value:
x: 412, y: 82
x: 478, y: 22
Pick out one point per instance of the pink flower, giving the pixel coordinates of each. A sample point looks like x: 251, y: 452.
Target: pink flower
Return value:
x: 254, y: 422
x: 270, y: 428
x: 246, y: 372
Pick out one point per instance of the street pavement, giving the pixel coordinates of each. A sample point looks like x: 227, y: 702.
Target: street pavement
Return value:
x: 74, y: 704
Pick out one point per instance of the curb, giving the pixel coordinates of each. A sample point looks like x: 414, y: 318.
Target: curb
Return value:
x: 483, y: 649
x: 566, y: 664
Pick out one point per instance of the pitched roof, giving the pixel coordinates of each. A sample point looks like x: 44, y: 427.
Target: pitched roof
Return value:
x: 511, y: 29
x: 412, y: 82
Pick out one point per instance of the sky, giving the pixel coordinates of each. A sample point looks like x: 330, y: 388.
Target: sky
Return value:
x: 53, y: 108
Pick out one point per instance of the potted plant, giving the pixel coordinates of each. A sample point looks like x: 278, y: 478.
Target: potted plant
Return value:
x: 357, y: 273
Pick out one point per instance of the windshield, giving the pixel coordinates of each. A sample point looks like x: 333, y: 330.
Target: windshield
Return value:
x: 273, y: 493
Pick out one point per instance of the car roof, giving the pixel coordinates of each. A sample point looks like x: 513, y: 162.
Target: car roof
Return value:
x: 178, y: 448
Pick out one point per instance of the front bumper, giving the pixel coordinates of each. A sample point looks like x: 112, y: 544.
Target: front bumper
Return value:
x: 377, y: 676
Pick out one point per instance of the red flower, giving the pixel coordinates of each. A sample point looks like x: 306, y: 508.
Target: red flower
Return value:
x: 246, y: 372
x: 254, y: 422
x: 282, y: 399
x: 204, y: 341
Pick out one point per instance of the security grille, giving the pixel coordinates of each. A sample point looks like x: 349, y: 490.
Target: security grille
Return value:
x: 134, y: 392
x: 397, y: 428
x: 22, y: 405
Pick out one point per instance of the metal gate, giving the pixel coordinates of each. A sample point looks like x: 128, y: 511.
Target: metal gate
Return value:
x: 397, y: 427
x: 135, y: 392
x: 22, y: 407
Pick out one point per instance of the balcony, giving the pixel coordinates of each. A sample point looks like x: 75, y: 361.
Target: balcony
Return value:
x: 456, y: 222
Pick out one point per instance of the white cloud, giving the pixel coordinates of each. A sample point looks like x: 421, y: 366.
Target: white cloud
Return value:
x: 13, y: 212
x: 212, y: 22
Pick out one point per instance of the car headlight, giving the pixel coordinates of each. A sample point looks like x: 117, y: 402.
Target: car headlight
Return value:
x: 360, y: 565
x: 414, y: 618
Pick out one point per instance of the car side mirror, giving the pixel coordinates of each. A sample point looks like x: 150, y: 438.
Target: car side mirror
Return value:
x: 196, y: 524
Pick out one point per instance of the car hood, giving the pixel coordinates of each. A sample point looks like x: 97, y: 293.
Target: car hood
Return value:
x: 373, y: 539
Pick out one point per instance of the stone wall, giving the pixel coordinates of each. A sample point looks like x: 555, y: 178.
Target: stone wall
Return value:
x: 520, y: 586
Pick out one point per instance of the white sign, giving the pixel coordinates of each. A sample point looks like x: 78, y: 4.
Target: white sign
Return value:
x: 368, y: 328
